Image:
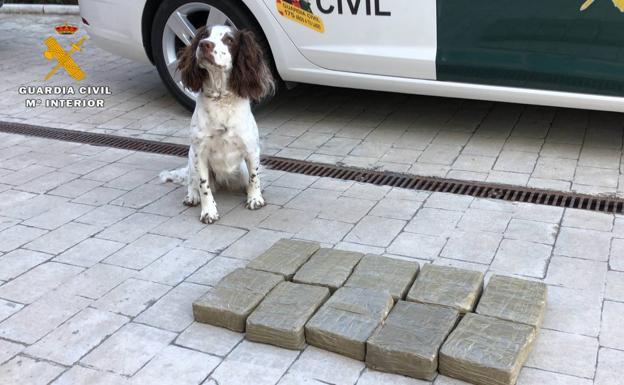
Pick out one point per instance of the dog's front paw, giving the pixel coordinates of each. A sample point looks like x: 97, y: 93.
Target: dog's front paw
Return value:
x: 209, y: 217
x: 255, y: 202
x: 191, y: 200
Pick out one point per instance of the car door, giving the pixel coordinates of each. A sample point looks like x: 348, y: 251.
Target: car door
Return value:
x: 381, y: 37
x: 566, y: 45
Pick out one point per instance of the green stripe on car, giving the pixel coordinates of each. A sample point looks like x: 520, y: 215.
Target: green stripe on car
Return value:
x: 550, y: 45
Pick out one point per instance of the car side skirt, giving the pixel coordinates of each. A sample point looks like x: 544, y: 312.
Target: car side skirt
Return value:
x: 454, y: 89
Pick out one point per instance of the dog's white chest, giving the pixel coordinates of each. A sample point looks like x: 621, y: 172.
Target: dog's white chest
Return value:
x: 221, y: 130
x: 226, y: 151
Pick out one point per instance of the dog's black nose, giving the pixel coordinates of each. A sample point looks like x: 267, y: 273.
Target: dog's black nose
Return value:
x: 206, y: 46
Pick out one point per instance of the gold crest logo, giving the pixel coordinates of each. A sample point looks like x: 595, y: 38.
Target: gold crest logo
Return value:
x: 619, y: 4
x: 54, y: 51
x: 66, y: 29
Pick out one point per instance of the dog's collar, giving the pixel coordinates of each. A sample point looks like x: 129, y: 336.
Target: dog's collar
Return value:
x: 216, y: 96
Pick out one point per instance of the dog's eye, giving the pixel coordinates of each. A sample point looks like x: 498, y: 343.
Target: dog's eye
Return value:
x: 228, y: 39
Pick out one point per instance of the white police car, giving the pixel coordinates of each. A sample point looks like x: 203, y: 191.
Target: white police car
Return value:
x: 558, y: 52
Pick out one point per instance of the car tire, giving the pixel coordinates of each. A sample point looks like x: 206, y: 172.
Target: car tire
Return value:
x: 164, y: 54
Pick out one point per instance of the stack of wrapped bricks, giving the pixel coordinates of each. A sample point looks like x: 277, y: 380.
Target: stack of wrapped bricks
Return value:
x: 387, y: 312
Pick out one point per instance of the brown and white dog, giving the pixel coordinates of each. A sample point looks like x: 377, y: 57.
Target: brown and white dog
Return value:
x: 228, y: 70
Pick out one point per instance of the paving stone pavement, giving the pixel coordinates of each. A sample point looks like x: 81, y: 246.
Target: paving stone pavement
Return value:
x: 560, y: 149
x: 96, y: 282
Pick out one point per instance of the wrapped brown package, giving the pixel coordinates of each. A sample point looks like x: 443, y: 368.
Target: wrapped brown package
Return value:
x: 230, y: 302
x: 350, y: 316
x: 486, y: 351
x: 447, y: 286
x: 514, y: 299
x: 285, y: 257
x: 383, y: 273
x: 280, y: 318
x: 328, y: 267
x: 410, y: 338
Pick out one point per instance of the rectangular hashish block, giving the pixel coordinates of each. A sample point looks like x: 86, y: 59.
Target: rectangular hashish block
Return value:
x: 230, y: 302
x: 346, y: 321
x: 383, y: 273
x: 410, y: 338
x: 486, y: 351
x: 285, y: 257
x: 328, y: 267
x: 447, y: 286
x: 280, y: 319
x: 514, y: 299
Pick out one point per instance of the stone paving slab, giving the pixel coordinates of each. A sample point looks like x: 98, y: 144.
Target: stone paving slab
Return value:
x: 280, y: 318
x: 128, y: 350
x: 174, y: 310
x: 513, y: 299
x: 410, y: 338
x: 175, y: 365
x: 347, y: 320
x: 41, y: 317
x: 447, y: 286
x: 285, y: 257
x: 230, y: 303
x: 23, y: 369
x: 486, y: 350
x: 383, y: 273
x: 329, y: 268
x: 77, y: 336
x: 317, y: 365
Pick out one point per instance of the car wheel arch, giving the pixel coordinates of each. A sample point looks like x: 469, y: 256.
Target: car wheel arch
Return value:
x: 149, y: 11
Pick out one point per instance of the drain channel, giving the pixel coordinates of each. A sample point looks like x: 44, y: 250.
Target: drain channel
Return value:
x: 95, y: 139
x: 452, y: 186
x: 380, y: 178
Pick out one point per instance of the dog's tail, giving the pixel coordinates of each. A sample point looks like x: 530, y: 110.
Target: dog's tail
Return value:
x: 179, y: 176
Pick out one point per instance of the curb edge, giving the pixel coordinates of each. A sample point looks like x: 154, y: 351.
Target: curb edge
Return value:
x: 42, y: 9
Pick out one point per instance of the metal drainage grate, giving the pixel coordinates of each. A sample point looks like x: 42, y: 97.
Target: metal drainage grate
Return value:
x: 380, y: 178
x: 95, y: 139
x: 452, y: 186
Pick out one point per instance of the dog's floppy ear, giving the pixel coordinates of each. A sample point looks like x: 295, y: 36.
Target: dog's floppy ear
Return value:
x: 191, y: 73
x: 250, y: 77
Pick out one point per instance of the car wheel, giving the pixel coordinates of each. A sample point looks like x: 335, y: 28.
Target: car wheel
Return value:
x: 174, y: 26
